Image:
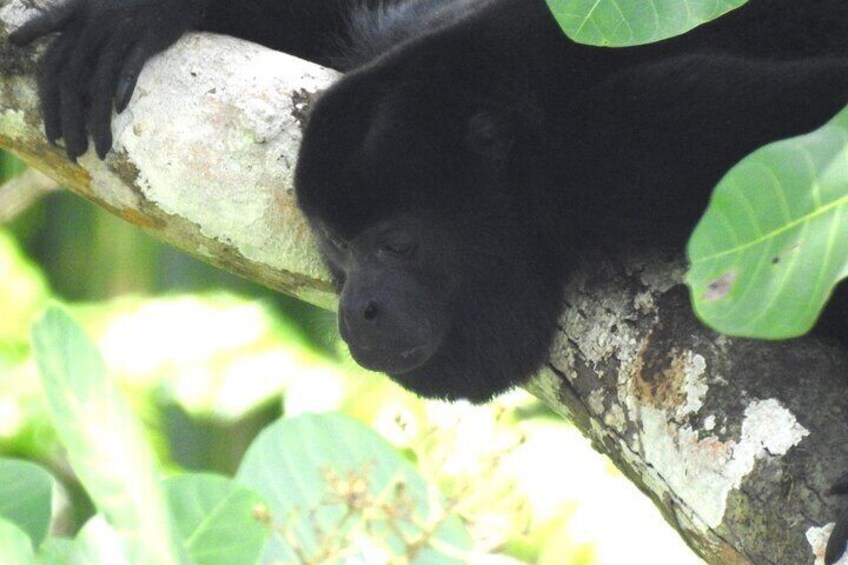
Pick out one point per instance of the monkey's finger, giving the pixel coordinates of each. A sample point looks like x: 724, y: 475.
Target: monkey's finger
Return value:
x: 74, y: 130
x: 48, y: 21
x: 152, y: 43
x: 128, y: 77
x: 103, y: 88
x: 75, y: 87
x: 48, y: 86
x: 101, y: 129
x: 100, y: 113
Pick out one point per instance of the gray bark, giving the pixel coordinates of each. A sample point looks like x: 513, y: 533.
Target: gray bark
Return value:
x: 736, y: 441
x: 203, y: 156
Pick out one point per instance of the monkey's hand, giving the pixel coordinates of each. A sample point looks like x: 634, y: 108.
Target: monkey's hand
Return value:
x: 96, y: 59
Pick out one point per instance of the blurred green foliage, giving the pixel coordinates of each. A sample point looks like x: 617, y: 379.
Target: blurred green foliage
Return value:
x: 207, y: 361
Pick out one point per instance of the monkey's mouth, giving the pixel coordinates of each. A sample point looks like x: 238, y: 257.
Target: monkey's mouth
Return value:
x: 392, y: 361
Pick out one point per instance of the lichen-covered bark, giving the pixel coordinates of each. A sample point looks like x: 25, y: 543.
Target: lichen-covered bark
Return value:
x: 735, y: 440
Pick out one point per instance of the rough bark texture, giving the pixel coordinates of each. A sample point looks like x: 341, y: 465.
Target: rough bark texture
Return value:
x: 736, y: 441
x: 203, y: 156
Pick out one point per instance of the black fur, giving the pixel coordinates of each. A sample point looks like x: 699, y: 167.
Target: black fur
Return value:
x: 483, y: 123
x: 527, y: 149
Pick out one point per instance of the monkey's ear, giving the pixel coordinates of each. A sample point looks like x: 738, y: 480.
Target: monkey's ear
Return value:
x: 489, y: 135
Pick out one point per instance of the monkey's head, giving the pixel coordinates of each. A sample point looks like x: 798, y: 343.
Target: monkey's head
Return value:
x: 446, y: 282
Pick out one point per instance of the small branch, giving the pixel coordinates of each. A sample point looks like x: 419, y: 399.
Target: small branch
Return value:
x: 23, y: 191
x: 736, y: 441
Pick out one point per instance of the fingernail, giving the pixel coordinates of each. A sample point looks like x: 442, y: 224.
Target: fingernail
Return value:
x: 122, y: 95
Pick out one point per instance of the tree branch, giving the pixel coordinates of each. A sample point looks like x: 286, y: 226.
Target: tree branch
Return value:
x: 21, y: 192
x: 203, y: 156
x: 736, y: 441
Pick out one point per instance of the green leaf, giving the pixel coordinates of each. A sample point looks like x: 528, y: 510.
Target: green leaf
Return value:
x: 619, y: 23
x: 301, y: 464
x: 26, y: 492
x: 774, y: 239
x: 15, y: 545
x: 104, y: 441
x: 216, y: 518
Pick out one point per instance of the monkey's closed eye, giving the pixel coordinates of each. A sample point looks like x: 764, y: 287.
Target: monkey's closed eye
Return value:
x: 400, y: 247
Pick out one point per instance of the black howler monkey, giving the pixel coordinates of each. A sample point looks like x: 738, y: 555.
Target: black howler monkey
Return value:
x: 472, y: 150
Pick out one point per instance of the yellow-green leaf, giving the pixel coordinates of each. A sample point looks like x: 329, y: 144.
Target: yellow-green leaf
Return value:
x: 774, y: 240
x: 104, y: 441
x: 619, y: 23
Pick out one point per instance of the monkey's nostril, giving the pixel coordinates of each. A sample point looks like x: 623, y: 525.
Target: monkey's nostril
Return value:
x: 371, y: 311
